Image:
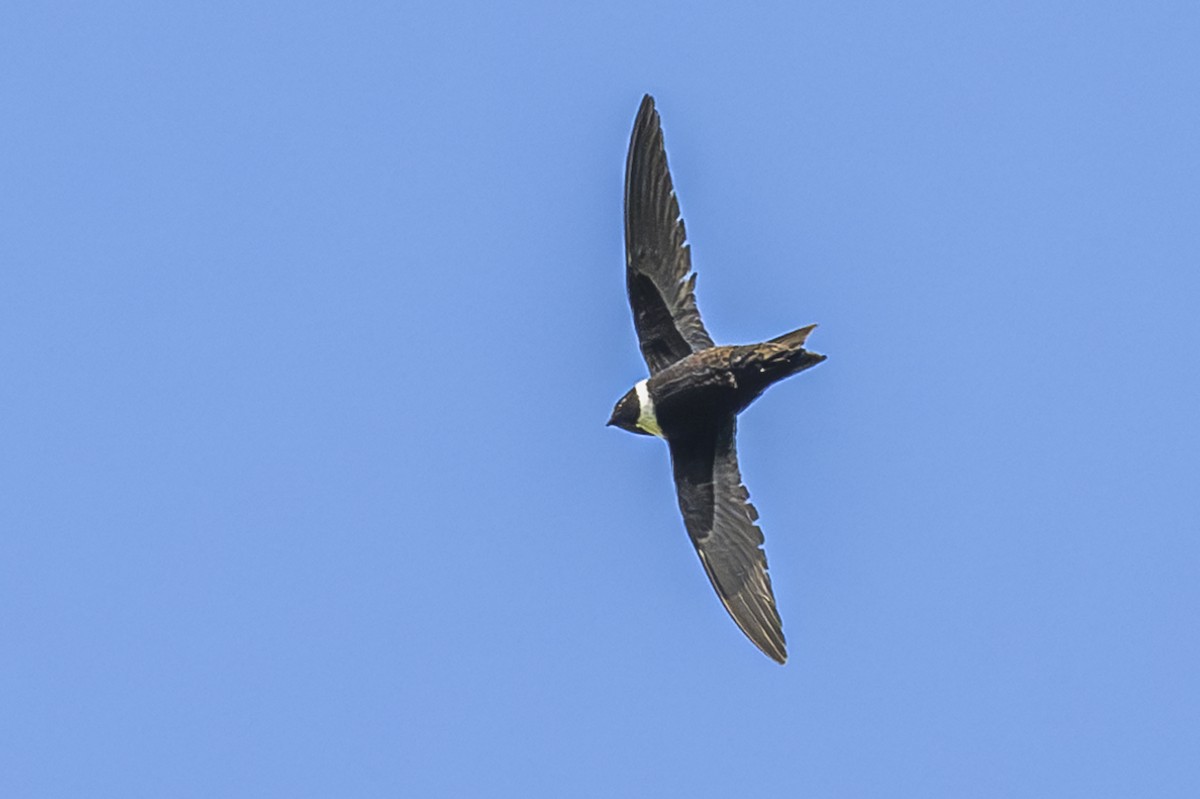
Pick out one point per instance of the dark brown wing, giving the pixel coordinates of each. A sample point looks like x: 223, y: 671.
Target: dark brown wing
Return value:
x: 658, y: 263
x: 720, y: 520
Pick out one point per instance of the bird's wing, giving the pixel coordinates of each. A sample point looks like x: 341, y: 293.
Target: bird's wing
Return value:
x: 658, y: 262
x: 720, y: 520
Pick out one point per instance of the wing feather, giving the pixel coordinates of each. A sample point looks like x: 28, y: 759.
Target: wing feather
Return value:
x: 721, y: 523
x: 658, y: 262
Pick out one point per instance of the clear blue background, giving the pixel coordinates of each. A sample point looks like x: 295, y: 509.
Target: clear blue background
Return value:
x: 311, y: 316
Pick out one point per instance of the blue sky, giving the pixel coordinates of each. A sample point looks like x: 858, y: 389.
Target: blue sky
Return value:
x: 311, y: 317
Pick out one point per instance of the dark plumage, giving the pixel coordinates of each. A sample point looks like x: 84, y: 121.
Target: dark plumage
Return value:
x: 696, y: 389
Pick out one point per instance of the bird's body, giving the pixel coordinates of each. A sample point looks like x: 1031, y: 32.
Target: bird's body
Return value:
x: 718, y: 382
x: 696, y: 389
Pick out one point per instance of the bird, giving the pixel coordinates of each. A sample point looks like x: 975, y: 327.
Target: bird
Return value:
x: 696, y: 389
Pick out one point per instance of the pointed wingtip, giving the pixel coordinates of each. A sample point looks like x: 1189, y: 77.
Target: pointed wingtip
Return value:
x: 646, y: 115
x: 757, y: 619
x: 775, y: 650
x: 770, y: 642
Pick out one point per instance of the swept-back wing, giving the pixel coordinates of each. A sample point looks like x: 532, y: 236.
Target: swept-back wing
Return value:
x: 658, y: 262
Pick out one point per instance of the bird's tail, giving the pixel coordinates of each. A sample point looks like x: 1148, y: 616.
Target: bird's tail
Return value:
x: 795, y: 339
x: 794, y: 355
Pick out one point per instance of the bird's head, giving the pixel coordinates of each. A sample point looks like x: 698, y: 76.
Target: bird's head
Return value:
x: 626, y: 412
x: 634, y: 412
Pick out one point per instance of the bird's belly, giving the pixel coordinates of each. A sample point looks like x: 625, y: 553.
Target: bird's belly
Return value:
x: 692, y: 395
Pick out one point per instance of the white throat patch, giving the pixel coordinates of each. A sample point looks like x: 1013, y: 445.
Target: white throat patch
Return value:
x: 646, y: 419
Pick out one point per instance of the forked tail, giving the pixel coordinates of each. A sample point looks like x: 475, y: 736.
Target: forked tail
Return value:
x: 795, y: 339
x: 795, y: 356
